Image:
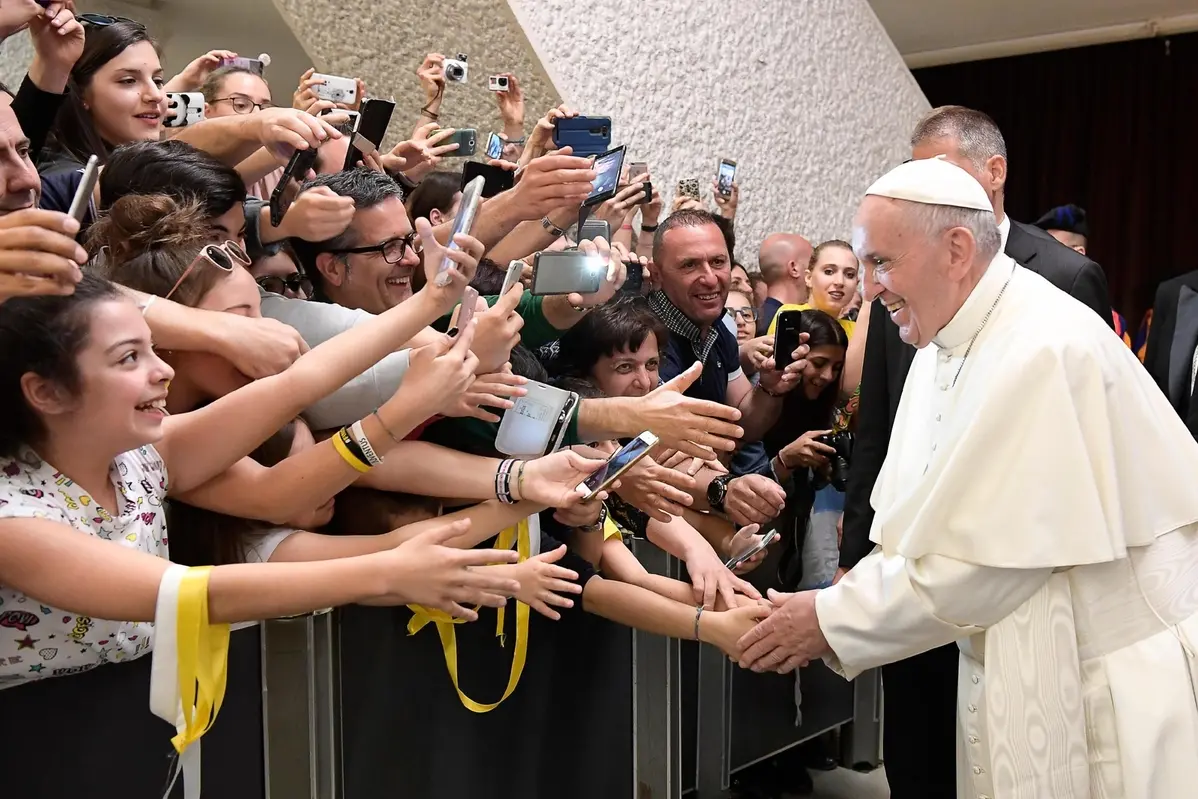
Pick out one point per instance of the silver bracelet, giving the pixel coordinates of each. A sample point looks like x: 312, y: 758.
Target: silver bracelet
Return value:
x: 698, y: 613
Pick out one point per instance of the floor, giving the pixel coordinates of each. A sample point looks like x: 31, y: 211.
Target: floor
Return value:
x: 846, y: 784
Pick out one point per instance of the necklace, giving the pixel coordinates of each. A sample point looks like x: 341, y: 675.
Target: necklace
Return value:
x: 978, y: 332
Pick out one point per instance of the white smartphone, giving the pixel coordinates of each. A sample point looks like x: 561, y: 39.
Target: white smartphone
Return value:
x: 528, y: 426
x: 725, y: 177
x: 183, y: 109
x: 765, y: 541
x: 617, y: 464
x: 83, y: 195
x: 336, y: 89
x: 472, y: 197
x: 514, y: 270
x: 636, y: 169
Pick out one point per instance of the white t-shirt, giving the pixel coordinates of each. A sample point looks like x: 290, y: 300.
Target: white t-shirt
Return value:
x: 37, y: 641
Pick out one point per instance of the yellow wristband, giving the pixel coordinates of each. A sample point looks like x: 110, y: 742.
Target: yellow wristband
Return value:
x: 348, y: 456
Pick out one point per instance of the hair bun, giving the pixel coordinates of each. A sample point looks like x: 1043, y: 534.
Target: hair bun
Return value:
x: 137, y: 223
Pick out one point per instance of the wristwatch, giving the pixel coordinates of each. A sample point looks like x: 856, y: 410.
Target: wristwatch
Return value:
x: 552, y: 229
x: 717, y: 491
x: 599, y: 523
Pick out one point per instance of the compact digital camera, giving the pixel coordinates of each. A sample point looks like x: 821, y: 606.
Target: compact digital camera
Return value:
x: 498, y: 83
x: 456, y: 69
x: 838, y: 473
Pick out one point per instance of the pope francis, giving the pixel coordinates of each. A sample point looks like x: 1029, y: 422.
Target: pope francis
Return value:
x: 1038, y: 505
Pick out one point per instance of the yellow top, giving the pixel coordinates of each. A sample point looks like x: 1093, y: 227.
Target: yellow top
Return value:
x: 847, y: 324
x: 610, y: 530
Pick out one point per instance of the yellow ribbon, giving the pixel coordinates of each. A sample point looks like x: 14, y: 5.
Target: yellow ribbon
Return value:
x: 421, y: 616
x: 203, y: 652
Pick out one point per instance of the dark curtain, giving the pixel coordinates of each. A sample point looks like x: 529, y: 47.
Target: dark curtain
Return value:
x: 1111, y: 128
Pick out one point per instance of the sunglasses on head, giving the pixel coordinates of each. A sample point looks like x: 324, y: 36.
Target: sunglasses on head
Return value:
x: 104, y: 20
x: 297, y: 283
x: 223, y: 256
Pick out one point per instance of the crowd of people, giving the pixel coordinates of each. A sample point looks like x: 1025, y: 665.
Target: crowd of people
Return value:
x: 305, y: 404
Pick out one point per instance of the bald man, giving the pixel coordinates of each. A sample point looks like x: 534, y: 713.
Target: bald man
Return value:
x: 783, y: 259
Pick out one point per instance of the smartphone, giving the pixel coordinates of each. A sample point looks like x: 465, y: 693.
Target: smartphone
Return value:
x: 689, y: 188
x: 566, y: 272
x: 373, y: 121
x: 786, y: 338
x: 725, y: 176
x: 248, y: 64
x: 595, y: 229
x: 636, y: 169
x: 634, y: 283
x: 514, y: 270
x: 297, y: 169
x: 647, y: 197
x: 83, y: 195
x: 494, y: 146
x: 765, y: 541
x: 527, y: 427
x: 183, y: 109
x: 472, y: 197
x: 585, y: 136
x: 336, y: 89
x: 608, y: 166
x: 496, y: 179
x: 465, y: 139
x: 617, y: 464
x: 467, y: 308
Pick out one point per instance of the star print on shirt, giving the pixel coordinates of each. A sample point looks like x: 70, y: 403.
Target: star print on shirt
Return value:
x: 37, y: 668
x: 27, y: 642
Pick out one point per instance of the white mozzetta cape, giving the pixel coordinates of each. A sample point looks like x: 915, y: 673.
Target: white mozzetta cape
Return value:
x: 1040, y: 509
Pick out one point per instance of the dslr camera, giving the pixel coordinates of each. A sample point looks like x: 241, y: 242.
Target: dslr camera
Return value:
x: 456, y: 69
x: 838, y: 462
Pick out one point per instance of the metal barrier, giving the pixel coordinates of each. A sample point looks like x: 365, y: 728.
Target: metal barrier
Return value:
x: 353, y: 707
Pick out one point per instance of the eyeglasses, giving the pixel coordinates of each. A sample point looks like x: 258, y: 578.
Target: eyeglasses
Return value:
x: 104, y: 20
x: 223, y: 256
x: 748, y: 314
x: 244, y: 105
x: 392, y: 249
x: 296, y: 284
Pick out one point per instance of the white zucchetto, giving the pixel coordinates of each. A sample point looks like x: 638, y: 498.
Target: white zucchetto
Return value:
x: 932, y: 181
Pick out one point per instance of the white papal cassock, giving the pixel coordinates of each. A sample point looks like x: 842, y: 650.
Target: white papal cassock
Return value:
x: 1041, y: 509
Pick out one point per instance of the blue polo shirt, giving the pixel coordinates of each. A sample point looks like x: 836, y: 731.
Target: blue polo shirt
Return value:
x: 716, y: 349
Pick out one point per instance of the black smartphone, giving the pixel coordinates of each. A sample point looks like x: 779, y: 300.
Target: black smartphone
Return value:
x: 566, y: 272
x: 496, y: 179
x: 635, y: 282
x: 608, y: 166
x: 786, y: 338
x: 595, y: 229
x: 373, y: 120
x: 297, y: 169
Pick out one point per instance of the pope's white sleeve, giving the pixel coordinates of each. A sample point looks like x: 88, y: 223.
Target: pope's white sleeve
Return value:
x: 890, y: 608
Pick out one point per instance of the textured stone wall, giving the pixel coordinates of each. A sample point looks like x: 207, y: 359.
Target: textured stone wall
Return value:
x: 384, y: 41
x: 810, y: 97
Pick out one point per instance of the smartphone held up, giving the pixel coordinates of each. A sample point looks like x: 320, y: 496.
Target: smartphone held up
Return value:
x: 472, y: 197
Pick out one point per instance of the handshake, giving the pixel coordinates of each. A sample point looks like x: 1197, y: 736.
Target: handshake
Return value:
x: 779, y: 634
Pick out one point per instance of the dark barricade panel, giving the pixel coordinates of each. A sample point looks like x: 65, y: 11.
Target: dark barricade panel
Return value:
x: 565, y: 731
x: 92, y: 734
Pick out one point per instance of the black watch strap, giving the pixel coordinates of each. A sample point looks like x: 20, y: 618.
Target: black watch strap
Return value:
x: 717, y: 491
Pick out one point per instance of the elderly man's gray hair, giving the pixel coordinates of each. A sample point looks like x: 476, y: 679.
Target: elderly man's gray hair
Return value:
x: 932, y: 220
x: 976, y: 134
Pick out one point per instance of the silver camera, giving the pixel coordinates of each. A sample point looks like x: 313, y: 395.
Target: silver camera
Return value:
x: 456, y: 69
x: 498, y: 83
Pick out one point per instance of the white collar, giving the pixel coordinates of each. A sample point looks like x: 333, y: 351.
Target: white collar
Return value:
x: 1004, y: 232
x: 972, y: 313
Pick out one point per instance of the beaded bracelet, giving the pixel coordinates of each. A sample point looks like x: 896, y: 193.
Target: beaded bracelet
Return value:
x: 503, y: 482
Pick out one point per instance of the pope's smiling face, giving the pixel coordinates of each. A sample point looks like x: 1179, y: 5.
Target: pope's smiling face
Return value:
x: 904, y: 267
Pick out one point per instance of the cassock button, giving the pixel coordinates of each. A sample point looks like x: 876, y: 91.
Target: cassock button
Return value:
x: 933, y: 448
x: 973, y: 708
x: 973, y: 739
x: 938, y: 417
x: 977, y: 769
x: 976, y: 679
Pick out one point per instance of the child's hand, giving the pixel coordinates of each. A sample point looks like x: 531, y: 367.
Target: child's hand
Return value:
x: 542, y: 583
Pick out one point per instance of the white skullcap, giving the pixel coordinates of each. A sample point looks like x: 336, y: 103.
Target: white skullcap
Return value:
x: 932, y: 181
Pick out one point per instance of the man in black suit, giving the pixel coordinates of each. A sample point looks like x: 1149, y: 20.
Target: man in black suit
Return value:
x: 920, y: 736
x: 1172, y: 350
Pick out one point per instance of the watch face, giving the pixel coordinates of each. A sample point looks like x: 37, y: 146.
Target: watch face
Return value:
x: 716, y: 490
